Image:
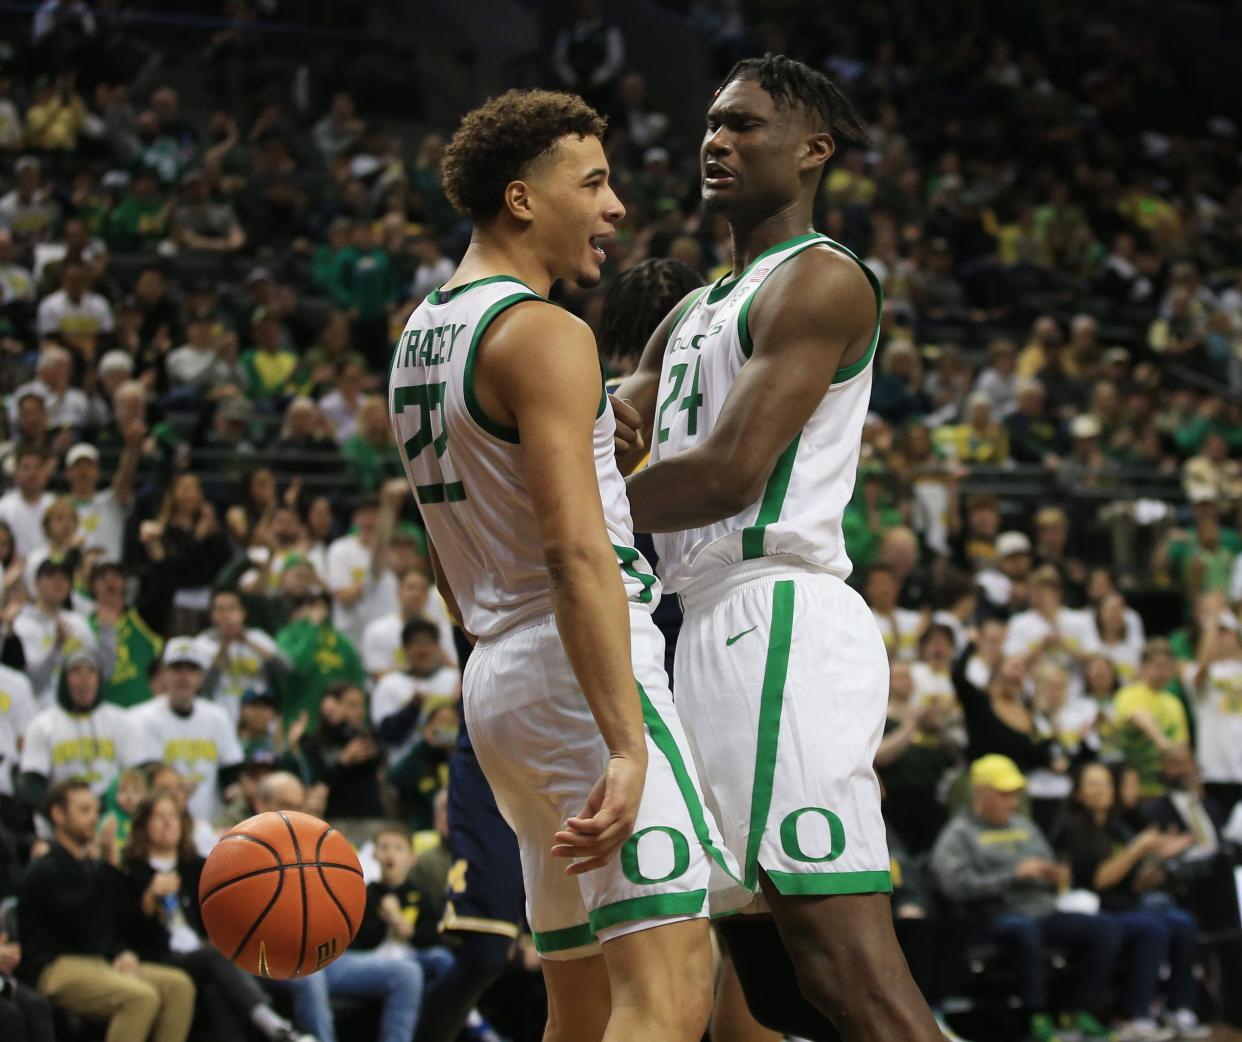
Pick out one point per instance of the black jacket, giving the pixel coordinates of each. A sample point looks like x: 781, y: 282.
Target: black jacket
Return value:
x: 149, y: 934
x: 68, y: 906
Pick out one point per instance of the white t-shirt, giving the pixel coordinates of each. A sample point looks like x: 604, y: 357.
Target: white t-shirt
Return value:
x: 96, y: 745
x: 341, y: 416
x: 395, y: 691
x: 71, y: 408
x: 381, y: 640
x: 17, y: 709
x: 197, y: 745
x: 1218, y: 708
x: 1029, y: 629
x: 243, y: 667
x: 349, y: 563
x: 37, y: 632
x: 900, y: 632
x: 932, y: 685
x: 90, y: 316
x: 101, y: 519
x: 26, y: 520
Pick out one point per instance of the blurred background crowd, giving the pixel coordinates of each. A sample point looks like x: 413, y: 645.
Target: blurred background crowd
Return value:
x: 214, y: 590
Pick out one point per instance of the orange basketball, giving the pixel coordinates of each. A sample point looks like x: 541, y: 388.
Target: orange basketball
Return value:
x: 282, y: 894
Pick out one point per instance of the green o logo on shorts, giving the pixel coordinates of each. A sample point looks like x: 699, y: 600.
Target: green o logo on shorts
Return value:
x: 629, y: 856
x: 789, y: 835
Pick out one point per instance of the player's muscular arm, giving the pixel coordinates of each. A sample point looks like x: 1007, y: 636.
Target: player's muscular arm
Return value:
x: 540, y: 367
x: 807, y: 320
x: 642, y: 388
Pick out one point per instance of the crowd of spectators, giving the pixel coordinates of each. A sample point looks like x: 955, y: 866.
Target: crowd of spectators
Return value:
x: 214, y: 592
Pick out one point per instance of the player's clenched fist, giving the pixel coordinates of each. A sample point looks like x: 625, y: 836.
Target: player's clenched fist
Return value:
x: 607, y: 820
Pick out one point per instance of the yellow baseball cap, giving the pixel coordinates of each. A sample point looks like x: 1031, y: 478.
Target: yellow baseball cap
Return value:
x: 997, y: 772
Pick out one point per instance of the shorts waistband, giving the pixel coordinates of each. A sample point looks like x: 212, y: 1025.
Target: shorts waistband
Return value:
x: 541, y: 618
x: 713, y: 588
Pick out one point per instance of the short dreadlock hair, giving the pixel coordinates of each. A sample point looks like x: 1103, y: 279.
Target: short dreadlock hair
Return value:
x: 638, y: 300
x: 788, y: 82
x: 497, y: 142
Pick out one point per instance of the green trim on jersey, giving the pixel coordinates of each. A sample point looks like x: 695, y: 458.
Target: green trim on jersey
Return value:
x: 562, y: 940
x: 485, y: 422
x: 772, y: 502
x: 818, y: 883
x: 771, y: 699
x: 848, y: 372
x: 743, y: 314
x: 689, y: 302
x: 626, y: 558
x: 721, y: 289
x: 653, y: 906
x: 440, y: 295
x: 663, y: 740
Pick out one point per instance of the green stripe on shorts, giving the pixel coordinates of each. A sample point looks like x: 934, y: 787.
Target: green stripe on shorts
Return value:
x: 780, y: 637
x: 562, y: 940
x: 811, y: 883
x: 654, y: 906
x: 664, y: 741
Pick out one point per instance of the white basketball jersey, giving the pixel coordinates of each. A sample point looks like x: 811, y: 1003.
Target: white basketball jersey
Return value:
x: 466, y: 469
x: 800, y: 510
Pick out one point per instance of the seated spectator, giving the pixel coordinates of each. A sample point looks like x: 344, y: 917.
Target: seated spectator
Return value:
x: 423, y: 769
x: 342, y: 754
x: 63, y: 545
x: 396, y: 983
x: 183, y: 549
x: 1185, y: 809
x: 120, y: 804
x: 403, y: 918
x: 1151, y: 721
x: 383, y: 641
x: 162, y: 872
x: 140, y: 221
x: 1034, y: 436
x: 1120, y: 640
x: 433, y: 268
x: 900, y: 627
x: 1125, y: 870
x: 998, y: 380
x: 205, y: 367
x: 76, y: 943
x: 17, y: 710
x: 270, y: 370
x: 23, y: 506
x: 29, y: 210
x: 998, y: 719
x: 202, y: 224
x: 79, y: 736
x: 240, y: 659
x: 137, y: 644
x: 68, y: 408
x: 342, y: 405
x: 305, y: 443
x: 911, y: 761
x: 371, y: 456
x: 980, y: 439
x: 363, y: 584
x: 50, y: 634
x: 194, y: 736
x: 1100, y: 682
x: 998, y: 865
x: 1050, y: 631
x: 25, y: 1015
x: 321, y: 655
x: 340, y: 129
x: 1004, y: 587
x: 57, y: 116
x: 28, y: 428
x: 78, y: 244
x: 101, y: 512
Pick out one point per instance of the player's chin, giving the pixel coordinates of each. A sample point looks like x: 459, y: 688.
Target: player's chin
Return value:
x: 589, y: 275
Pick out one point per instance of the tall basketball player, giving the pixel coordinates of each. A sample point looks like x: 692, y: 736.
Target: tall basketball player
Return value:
x: 498, y: 407
x: 752, y: 397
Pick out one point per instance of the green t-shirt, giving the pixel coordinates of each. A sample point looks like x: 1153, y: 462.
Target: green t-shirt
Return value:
x: 362, y: 282
x: 320, y: 656
x: 370, y: 466
x: 137, y: 224
x: 269, y: 374
x: 137, y: 646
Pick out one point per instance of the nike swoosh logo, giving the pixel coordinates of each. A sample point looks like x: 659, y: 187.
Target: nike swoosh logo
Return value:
x: 729, y: 642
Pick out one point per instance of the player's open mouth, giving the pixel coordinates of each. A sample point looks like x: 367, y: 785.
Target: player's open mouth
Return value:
x: 596, y: 246
x: 716, y: 175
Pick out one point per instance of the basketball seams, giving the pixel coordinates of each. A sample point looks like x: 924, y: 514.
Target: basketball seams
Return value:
x: 280, y: 885
x: 349, y: 925
x: 297, y: 853
x: 274, y: 868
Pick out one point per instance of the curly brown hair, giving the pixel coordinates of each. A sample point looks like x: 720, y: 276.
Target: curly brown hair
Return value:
x: 497, y: 142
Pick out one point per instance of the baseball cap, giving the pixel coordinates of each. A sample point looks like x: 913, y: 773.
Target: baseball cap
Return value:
x: 1010, y: 543
x: 81, y: 657
x: 183, y: 650
x: 997, y: 772
x: 116, y: 361
x: 259, y: 275
x: 261, y: 694
x: 81, y: 452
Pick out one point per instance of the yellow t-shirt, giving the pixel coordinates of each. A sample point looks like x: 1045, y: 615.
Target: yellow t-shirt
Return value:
x: 1139, y: 750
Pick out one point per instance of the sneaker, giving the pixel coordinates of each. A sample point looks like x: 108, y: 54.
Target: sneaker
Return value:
x: 1043, y: 1029
x: 1144, y: 1029
x: 1187, y: 1025
x: 1086, y: 1027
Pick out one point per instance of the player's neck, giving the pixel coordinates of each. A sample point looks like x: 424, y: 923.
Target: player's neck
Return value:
x: 493, y: 255
x: 751, y: 238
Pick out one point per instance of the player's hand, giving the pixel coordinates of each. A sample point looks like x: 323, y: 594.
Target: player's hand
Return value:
x: 607, y: 820
x: 629, y: 424
x: 126, y: 963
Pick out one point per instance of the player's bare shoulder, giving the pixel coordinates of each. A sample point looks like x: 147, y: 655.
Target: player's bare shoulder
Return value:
x: 536, y: 330
x: 819, y: 289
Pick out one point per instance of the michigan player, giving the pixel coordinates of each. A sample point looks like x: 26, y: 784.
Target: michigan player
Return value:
x: 498, y: 408
x: 752, y: 397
